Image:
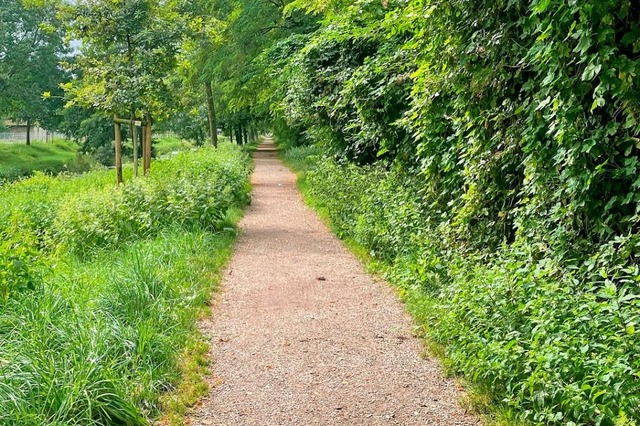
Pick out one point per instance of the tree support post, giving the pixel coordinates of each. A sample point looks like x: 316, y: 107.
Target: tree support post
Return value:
x: 118, y: 150
x: 146, y: 145
x: 134, y: 140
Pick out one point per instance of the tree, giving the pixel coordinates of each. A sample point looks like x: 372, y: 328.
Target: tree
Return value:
x: 92, y: 129
x: 203, y: 32
x: 232, y: 60
x: 128, y: 52
x: 31, y: 46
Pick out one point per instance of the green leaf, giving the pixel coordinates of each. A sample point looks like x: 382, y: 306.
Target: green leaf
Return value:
x: 591, y: 71
x: 598, y: 102
x: 541, y: 6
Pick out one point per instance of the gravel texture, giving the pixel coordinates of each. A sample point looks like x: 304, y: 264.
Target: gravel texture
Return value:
x: 303, y: 336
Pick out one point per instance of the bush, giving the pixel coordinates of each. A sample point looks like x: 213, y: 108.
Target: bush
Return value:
x: 84, y: 214
x: 487, y: 153
x: 19, y: 264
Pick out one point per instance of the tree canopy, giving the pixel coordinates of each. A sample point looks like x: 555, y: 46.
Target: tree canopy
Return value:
x: 31, y: 47
x: 128, y: 50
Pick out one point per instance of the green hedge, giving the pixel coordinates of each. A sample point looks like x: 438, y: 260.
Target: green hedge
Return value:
x: 489, y: 152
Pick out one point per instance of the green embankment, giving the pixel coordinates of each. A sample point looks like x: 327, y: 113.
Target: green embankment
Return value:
x: 100, y: 288
x: 168, y: 144
x: 17, y: 160
x: 20, y: 160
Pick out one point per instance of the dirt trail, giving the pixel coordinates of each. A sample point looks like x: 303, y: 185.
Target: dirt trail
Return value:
x: 303, y: 336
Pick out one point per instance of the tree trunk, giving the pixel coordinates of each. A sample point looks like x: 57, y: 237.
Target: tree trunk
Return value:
x: 28, y: 131
x: 239, y: 135
x: 213, y: 126
x: 245, y: 134
x: 230, y: 130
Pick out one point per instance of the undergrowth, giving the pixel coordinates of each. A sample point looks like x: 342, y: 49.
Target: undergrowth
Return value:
x: 539, y: 341
x: 101, y: 289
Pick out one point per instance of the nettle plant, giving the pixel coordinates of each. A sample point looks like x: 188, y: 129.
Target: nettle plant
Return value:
x: 19, y: 264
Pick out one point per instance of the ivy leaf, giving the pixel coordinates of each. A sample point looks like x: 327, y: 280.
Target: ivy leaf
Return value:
x: 591, y: 71
x: 541, y: 6
x: 544, y: 103
x: 598, y: 102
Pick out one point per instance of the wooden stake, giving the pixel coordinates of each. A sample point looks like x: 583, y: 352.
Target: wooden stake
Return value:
x: 118, y: 151
x: 143, y: 144
x: 146, y: 138
x: 134, y: 139
x: 149, y: 134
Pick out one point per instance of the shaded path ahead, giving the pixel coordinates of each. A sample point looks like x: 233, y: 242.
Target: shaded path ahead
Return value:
x: 302, y: 336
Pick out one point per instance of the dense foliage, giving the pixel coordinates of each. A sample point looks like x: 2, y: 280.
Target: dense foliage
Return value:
x: 100, y: 287
x: 31, y: 45
x: 487, y: 152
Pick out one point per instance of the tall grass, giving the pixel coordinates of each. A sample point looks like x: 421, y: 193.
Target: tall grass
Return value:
x: 117, y: 279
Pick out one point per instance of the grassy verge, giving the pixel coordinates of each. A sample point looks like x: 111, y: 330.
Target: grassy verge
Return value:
x: 102, y: 289
x: 17, y: 160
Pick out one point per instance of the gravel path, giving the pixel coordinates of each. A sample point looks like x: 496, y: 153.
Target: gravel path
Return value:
x: 303, y: 336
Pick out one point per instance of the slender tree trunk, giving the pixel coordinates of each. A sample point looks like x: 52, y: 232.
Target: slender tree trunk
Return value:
x: 239, y: 135
x: 245, y: 134
x: 213, y: 126
x: 230, y: 131
x: 28, y: 131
